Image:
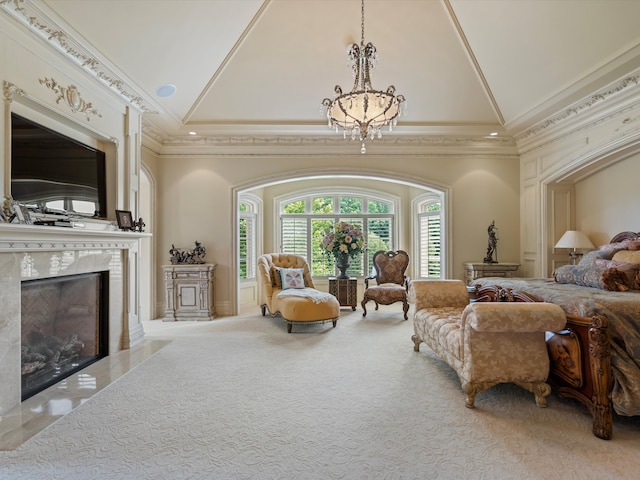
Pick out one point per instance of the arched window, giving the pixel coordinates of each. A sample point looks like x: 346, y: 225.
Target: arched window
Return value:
x: 306, y: 217
x: 429, y: 232
x: 247, y: 237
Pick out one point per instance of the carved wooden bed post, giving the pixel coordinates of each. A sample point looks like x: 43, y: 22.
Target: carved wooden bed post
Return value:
x: 600, y: 359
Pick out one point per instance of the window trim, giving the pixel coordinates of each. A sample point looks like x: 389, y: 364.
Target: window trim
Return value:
x: 416, y: 206
x: 308, y: 194
x: 255, y: 214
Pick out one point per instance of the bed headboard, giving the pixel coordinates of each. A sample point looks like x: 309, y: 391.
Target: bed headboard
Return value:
x: 622, y: 236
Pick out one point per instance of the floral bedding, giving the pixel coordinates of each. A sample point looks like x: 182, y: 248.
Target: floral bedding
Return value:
x: 622, y: 309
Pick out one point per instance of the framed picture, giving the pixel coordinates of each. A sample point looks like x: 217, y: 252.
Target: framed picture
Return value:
x: 125, y: 220
x: 22, y: 213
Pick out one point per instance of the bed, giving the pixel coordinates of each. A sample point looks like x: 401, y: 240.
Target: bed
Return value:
x: 596, y: 358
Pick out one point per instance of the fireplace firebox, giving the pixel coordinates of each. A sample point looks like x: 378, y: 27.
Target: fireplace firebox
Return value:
x: 64, y: 327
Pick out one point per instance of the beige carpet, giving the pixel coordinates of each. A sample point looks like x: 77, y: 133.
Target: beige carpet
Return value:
x: 239, y: 398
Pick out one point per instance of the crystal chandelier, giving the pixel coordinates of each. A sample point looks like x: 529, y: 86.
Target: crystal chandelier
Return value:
x: 364, y: 111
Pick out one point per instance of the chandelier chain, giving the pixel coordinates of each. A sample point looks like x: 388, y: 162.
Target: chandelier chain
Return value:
x: 362, y: 26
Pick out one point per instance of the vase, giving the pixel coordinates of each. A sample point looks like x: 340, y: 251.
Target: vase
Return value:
x: 342, y: 262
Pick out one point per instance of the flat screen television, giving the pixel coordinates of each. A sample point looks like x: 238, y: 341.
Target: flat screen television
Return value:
x: 54, y: 173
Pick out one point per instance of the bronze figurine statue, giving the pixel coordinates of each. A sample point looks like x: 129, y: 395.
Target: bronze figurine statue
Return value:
x: 492, y: 244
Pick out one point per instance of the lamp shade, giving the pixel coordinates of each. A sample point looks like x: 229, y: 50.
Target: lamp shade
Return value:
x: 574, y: 239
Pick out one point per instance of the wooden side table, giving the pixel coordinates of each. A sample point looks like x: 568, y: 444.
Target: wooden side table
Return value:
x: 345, y: 290
x: 479, y: 270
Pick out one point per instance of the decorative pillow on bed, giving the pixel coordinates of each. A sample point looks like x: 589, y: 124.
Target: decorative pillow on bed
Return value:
x: 610, y: 249
x: 590, y: 257
x: 631, y: 270
x: 627, y: 256
x: 292, y: 277
x: 595, y: 276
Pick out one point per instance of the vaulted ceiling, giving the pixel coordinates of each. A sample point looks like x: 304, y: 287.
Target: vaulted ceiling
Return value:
x: 258, y: 67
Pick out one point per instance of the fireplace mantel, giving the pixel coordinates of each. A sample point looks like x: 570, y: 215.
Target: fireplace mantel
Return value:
x: 20, y: 238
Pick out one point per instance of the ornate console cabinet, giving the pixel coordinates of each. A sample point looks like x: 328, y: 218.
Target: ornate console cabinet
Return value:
x: 189, y: 292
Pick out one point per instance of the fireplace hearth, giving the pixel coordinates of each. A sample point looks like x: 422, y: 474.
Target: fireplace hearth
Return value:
x: 63, y: 327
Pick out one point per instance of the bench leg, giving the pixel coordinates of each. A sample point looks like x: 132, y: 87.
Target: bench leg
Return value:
x: 472, y: 389
x: 540, y: 389
x: 416, y: 343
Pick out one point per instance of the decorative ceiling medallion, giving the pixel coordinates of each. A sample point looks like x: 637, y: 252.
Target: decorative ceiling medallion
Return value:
x: 71, y: 96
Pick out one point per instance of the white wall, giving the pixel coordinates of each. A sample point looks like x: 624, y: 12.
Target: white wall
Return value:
x: 608, y: 201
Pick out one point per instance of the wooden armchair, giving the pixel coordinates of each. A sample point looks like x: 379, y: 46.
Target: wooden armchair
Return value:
x: 391, y: 283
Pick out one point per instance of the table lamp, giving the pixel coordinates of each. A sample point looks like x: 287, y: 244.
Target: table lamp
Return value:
x: 574, y: 239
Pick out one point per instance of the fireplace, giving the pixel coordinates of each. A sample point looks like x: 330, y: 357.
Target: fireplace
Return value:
x: 63, y: 327
x: 30, y: 253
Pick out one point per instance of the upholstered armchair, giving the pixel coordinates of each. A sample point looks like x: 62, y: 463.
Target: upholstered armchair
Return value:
x: 391, y: 283
x: 485, y: 343
x: 297, y: 302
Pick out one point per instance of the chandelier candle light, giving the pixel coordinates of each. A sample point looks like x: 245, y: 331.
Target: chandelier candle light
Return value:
x: 364, y: 111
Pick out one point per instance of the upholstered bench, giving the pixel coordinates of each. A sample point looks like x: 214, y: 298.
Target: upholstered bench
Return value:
x: 485, y: 343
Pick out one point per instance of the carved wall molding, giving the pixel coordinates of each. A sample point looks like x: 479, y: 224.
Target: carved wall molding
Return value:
x: 67, y: 94
x: 28, y: 14
x: 9, y: 90
x: 71, y: 96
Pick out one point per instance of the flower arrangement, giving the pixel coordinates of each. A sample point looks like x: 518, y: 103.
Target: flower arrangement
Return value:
x: 345, y: 238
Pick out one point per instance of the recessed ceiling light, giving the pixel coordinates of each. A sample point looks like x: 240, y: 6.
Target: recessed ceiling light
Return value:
x: 193, y: 133
x: 166, y: 90
x: 494, y: 134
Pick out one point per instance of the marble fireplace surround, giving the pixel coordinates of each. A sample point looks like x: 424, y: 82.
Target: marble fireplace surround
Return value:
x: 33, y: 252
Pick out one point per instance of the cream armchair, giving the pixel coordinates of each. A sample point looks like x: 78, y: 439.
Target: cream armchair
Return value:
x: 485, y: 343
x: 307, y: 305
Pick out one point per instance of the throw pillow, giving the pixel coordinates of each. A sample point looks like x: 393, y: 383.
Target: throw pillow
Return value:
x: 627, y: 256
x: 292, y: 277
x: 631, y: 270
x: 590, y: 257
x: 594, y: 276
x: 276, y: 279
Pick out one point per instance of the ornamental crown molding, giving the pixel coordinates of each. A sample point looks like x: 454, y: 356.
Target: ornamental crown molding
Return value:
x: 330, y: 140
x: 581, y: 107
x: 27, y: 13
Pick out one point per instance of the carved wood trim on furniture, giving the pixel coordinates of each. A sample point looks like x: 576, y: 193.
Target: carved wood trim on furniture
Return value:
x: 622, y: 236
x: 580, y: 357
